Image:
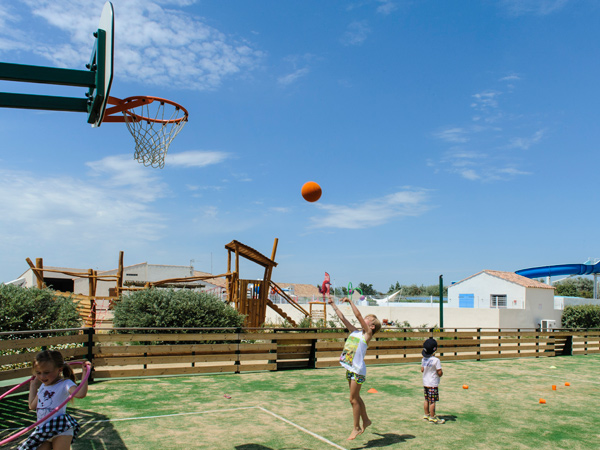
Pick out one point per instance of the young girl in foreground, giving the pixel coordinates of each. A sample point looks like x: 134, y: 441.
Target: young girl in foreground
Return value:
x: 353, y: 360
x: 54, y: 382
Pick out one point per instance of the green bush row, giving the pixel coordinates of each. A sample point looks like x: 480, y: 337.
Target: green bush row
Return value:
x: 176, y: 309
x: 581, y: 316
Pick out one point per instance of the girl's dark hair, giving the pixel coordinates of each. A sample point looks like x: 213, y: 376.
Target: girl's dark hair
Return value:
x: 56, y: 358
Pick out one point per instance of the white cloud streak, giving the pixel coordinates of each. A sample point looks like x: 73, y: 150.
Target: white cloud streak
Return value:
x: 112, y: 203
x: 195, y: 158
x: 356, y: 33
x: 407, y: 203
x: 533, y: 7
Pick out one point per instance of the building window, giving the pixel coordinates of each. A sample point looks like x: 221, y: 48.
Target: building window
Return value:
x: 497, y: 301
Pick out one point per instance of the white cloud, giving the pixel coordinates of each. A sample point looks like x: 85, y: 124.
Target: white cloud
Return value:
x: 293, y: 77
x: 455, y: 134
x: 526, y: 142
x: 78, y: 211
x: 535, y: 7
x: 195, y: 158
x: 375, y: 212
x: 386, y: 7
x: 485, y: 100
x: 469, y: 174
x: 511, y: 77
x: 155, y: 44
x: 356, y: 33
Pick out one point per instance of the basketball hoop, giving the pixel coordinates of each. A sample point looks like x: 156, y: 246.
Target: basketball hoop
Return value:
x: 152, y: 121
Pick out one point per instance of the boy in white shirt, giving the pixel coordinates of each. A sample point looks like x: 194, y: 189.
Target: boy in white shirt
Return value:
x: 431, y: 367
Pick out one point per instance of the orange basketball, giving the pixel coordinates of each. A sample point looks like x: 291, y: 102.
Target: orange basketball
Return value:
x: 311, y: 191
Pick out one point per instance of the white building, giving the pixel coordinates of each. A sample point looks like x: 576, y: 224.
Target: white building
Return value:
x: 519, y: 302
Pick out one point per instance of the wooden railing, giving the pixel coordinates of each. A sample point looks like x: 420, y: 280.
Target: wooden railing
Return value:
x: 152, y: 352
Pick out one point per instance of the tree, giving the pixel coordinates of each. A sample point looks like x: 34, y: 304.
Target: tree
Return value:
x: 367, y: 289
x: 175, y: 309
x: 27, y: 309
x: 575, y: 287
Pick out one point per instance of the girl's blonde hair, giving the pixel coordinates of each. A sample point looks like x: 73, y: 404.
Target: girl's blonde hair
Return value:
x: 56, y: 358
x: 376, y: 323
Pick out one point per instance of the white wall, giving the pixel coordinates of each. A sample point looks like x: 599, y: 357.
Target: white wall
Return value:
x: 485, y: 285
x: 416, y: 316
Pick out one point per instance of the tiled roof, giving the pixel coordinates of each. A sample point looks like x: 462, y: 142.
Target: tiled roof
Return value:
x: 513, y: 278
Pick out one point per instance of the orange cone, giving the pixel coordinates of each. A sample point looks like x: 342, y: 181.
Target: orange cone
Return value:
x: 542, y: 401
x: 553, y: 387
x: 567, y: 384
x: 372, y: 391
x: 465, y: 386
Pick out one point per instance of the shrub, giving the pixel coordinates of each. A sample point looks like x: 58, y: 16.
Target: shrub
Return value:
x: 174, y: 309
x: 26, y: 309
x: 581, y: 316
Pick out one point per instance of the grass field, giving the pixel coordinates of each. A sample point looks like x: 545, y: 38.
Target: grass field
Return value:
x: 309, y: 409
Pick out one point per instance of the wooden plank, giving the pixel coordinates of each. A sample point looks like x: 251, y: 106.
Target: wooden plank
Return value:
x: 14, y: 344
x: 281, y: 357
x: 585, y: 352
x: 156, y: 349
x: 322, y: 345
x: 393, y: 351
x: 396, y: 344
x: 140, y: 360
x: 257, y: 367
x: 29, y: 357
x: 285, y: 349
x: 453, y: 334
x: 261, y: 347
x: 15, y: 373
x: 295, y: 342
x: 512, y: 355
x: 120, y: 373
x: 256, y: 356
x: 324, y: 354
x: 166, y: 337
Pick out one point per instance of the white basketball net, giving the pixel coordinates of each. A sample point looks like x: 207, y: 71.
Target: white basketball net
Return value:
x: 154, y: 125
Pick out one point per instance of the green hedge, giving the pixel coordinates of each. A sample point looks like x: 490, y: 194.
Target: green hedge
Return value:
x: 174, y: 308
x: 25, y: 309
x: 581, y: 316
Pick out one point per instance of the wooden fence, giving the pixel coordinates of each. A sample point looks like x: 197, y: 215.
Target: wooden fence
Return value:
x: 152, y: 352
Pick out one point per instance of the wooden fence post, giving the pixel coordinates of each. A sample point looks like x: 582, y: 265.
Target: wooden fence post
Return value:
x: 478, y: 344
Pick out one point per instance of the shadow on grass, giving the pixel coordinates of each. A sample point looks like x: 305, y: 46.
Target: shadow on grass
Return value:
x: 96, y: 430
x: 448, y: 418
x: 252, y: 447
x: 385, y: 440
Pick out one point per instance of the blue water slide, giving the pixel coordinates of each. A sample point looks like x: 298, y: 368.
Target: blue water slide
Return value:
x: 563, y: 269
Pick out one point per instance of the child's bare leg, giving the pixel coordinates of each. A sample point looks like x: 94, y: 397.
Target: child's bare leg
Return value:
x: 356, y: 408
x: 62, y: 443
x: 432, y: 409
x: 426, y: 407
x: 46, y: 445
x: 363, y: 415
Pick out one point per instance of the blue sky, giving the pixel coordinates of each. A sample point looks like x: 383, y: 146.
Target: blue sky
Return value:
x: 448, y: 137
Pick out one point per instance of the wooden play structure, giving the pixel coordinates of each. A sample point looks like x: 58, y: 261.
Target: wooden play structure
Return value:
x: 249, y: 297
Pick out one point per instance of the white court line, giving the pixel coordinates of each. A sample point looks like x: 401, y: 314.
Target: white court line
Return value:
x: 283, y: 419
x: 170, y: 415
x: 85, y: 422
x: 321, y: 438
